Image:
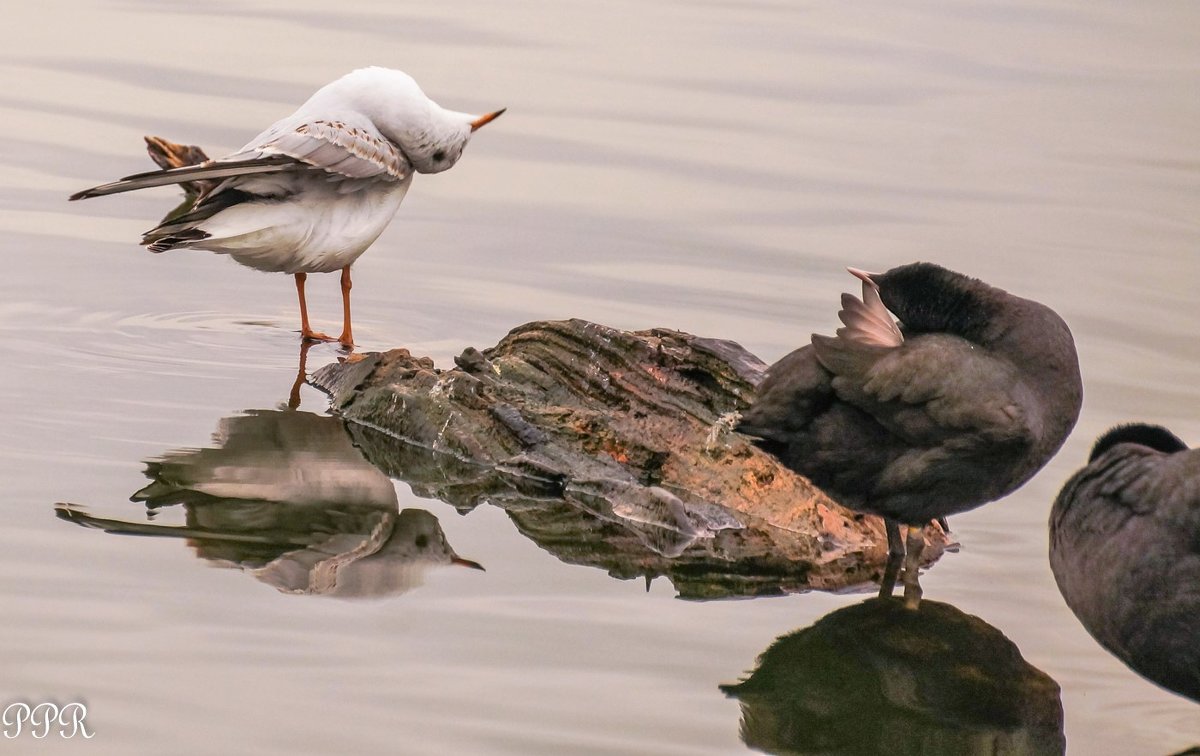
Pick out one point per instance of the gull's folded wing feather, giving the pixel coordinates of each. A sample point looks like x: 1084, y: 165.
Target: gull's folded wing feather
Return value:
x: 350, y: 147
x: 212, y: 170
x: 346, y: 148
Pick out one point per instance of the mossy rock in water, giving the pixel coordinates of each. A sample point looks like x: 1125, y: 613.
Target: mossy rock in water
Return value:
x: 878, y: 677
x: 614, y: 449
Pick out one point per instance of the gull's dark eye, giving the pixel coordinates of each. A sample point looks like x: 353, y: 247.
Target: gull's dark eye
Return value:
x: 421, y: 541
x: 439, y: 156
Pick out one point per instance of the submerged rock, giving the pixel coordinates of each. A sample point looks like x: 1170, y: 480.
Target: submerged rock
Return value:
x: 610, y: 448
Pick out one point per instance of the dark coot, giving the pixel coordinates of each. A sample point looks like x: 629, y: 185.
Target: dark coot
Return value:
x: 960, y: 404
x: 1125, y: 550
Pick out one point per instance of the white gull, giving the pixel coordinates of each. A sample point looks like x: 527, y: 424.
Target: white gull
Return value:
x: 313, y: 191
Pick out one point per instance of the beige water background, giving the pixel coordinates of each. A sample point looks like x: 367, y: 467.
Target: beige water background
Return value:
x: 707, y: 166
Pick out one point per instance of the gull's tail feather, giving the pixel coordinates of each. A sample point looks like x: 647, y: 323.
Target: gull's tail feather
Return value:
x: 192, y: 173
x: 179, y: 227
x: 156, y: 242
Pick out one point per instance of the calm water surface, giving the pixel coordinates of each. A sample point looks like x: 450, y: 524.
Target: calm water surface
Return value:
x: 709, y: 167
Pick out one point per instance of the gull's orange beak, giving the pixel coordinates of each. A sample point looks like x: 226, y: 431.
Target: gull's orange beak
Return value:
x: 483, y: 120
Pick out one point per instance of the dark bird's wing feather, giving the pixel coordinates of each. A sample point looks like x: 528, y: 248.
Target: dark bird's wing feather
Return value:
x: 1137, y: 482
x: 935, y: 416
x: 795, y: 390
x: 867, y: 413
x: 867, y: 320
x: 928, y: 389
x: 1125, y: 552
x: 798, y: 387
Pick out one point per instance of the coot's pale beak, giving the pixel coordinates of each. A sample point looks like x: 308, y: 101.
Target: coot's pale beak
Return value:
x: 483, y: 120
x: 864, y: 276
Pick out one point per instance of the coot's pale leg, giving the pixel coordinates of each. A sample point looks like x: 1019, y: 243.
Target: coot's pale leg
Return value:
x: 895, y: 555
x: 914, y: 545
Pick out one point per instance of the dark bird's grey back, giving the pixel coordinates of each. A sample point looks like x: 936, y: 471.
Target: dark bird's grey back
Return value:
x: 981, y: 393
x: 1125, y: 551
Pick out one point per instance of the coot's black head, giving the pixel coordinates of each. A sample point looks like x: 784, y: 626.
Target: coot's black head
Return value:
x: 1152, y: 436
x: 928, y: 298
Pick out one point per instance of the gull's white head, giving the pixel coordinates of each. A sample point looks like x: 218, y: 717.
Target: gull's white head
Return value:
x: 431, y: 137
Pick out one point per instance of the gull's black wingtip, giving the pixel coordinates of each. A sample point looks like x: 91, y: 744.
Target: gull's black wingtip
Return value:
x: 85, y: 194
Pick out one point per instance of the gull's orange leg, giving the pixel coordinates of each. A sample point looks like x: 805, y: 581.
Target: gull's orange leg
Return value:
x: 347, y: 337
x: 306, y: 332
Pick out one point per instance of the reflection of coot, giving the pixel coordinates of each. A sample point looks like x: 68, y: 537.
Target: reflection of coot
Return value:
x: 879, y: 678
x: 1125, y: 550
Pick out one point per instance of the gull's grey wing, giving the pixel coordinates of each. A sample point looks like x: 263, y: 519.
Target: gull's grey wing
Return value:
x: 347, y: 146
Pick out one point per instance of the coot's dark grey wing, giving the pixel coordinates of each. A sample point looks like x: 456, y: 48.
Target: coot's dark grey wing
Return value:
x: 1176, y: 493
x: 932, y: 388
x: 1131, y: 487
x: 795, y: 390
x: 947, y: 418
x: 1125, y: 552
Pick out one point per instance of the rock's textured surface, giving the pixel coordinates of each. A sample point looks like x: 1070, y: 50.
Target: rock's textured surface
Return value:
x: 610, y: 448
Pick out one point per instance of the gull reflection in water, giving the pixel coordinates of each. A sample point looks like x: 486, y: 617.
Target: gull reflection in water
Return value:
x: 287, y: 497
x: 876, y: 677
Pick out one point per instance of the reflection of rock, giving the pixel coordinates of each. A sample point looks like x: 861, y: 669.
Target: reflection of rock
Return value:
x: 877, y: 678
x: 629, y: 530
x: 610, y: 448
x: 287, y: 497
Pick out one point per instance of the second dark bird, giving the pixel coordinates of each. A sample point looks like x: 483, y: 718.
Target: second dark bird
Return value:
x: 1125, y: 551
x: 958, y: 405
